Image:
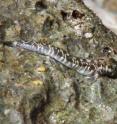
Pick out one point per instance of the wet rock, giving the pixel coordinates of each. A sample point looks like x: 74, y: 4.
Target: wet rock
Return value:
x: 14, y: 116
x: 105, y: 10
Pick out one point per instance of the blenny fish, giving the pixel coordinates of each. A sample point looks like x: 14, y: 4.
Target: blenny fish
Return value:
x: 88, y: 67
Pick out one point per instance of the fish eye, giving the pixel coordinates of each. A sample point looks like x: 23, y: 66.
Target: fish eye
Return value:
x: 106, y: 49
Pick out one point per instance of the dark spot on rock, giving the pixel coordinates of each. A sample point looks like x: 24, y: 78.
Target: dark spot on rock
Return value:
x: 4, y: 24
x: 48, y: 25
x: 2, y: 32
x: 92, y: 67
x: 64, y: 14
x: 40, y: 5
x: 76, y: 14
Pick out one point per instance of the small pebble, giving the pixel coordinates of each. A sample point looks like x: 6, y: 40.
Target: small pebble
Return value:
x: 37, y: 82
x: 41, y: 68
x: 86, y: 55
x: 88, y: 35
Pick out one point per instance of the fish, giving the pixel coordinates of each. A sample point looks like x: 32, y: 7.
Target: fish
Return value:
x: 88, y: 67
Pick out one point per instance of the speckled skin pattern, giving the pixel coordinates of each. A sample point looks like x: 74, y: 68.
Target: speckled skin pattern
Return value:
x: 91, y: 68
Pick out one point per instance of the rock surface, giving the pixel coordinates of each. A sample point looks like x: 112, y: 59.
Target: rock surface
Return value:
x: 38, y: 90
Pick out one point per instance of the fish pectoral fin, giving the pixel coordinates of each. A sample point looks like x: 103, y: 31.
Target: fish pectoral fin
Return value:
x: 93, y: 77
